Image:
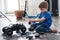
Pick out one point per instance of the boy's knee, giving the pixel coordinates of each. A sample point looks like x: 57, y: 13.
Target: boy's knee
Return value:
x: 38, y: 29
x: 33, y: 25
x: 41, y: 29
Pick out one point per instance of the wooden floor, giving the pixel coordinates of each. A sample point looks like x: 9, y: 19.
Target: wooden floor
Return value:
x: 5, y: 22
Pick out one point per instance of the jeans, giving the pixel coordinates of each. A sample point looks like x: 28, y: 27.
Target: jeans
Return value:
x: 38, y: 27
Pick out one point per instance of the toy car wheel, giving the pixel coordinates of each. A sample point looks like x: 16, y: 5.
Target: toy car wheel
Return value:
x: 9, y: 32
x: 23, y: 30
x: 4, y: 29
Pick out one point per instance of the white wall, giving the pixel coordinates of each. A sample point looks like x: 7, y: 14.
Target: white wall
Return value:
x: 11, y: 5
x: 8, y: 5
x: 0, y: 5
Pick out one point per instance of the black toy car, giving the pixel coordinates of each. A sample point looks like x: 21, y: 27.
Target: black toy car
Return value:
x: 9, y: 30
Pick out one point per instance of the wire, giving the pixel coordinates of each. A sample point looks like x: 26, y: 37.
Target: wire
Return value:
x: 5, y: 16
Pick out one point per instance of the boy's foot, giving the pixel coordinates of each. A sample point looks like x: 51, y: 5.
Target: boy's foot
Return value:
x: 31, y: 29
x: 54, y: 31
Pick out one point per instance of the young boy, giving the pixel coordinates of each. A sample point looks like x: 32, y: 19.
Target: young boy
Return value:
x: 44, y: 20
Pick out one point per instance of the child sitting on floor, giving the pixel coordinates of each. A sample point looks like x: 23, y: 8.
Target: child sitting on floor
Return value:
x: 44, y: 20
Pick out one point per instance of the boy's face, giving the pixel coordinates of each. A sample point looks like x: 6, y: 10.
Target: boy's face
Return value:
x: 43, y: 9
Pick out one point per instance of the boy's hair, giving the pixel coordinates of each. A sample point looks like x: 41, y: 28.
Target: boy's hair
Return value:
x: 43, y: 4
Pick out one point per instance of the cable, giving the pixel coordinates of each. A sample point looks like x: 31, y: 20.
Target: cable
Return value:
x: 5, y: 16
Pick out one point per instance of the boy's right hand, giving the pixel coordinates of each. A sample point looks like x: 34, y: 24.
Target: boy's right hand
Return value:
x: 30, y: 21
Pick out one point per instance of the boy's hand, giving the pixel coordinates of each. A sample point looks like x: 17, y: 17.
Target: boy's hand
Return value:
x: 30, y: 21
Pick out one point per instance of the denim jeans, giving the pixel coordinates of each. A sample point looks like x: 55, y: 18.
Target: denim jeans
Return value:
x: 38, y: 27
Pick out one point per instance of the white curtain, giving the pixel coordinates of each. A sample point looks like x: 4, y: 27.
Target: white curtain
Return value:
x: 33, y: 6
x: 22, y: 4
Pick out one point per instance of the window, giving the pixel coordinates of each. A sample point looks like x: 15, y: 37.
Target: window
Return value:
x: 11, y: 5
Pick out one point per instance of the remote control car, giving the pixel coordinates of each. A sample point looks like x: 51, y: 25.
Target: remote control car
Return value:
x: 9, y: 30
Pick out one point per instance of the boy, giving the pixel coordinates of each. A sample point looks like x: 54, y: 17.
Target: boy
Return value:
x: 44, y: 20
